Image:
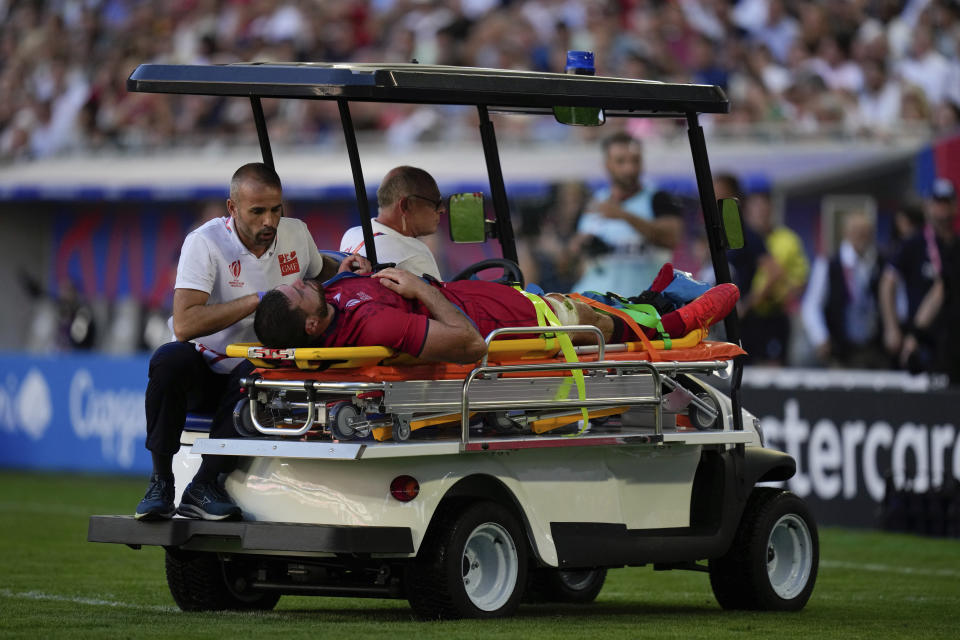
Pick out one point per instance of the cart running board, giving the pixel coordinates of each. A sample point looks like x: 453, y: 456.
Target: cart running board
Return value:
x: 251, y: 536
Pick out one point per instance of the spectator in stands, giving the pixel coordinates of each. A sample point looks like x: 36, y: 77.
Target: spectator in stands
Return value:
x: 409, y: 207
x: 223, y: 265
x: 840, y: 311
x: 925, y: 67
x: 879, y: 101
x: 927, y: 265
x: 772, y: 300
x: 630, y: 228
x: 916, y: 40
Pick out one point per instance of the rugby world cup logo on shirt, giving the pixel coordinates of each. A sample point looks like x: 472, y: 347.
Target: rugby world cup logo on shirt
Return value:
x: 288, y: 263
x: 235, y: 271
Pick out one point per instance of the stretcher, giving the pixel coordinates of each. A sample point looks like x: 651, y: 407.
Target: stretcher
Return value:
x: 523, y: 387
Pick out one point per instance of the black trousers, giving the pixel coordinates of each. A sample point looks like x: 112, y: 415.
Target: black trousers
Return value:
x: 180, y: 381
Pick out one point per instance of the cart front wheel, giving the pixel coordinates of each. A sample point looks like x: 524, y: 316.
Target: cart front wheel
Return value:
x: 772, y: 564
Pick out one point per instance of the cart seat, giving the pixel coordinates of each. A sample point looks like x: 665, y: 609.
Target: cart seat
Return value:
x: 198, y: 422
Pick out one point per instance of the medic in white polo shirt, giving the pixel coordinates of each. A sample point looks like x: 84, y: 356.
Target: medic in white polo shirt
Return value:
x: 225, y: 265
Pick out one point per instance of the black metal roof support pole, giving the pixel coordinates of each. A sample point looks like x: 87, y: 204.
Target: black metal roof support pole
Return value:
x: 350, y: 136
x: 261, y: 123
x: 721, y: 268
x: 498, y: 191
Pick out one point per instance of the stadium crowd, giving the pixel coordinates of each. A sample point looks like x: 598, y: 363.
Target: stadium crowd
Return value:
x: 791, y: 68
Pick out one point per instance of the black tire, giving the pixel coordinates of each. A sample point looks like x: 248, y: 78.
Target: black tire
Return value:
x: 400, y: 431
x: 242, y: 421
x: 772, y: 564
x: 481, y: 542
x: 199, y: 582
x: 574, y: 586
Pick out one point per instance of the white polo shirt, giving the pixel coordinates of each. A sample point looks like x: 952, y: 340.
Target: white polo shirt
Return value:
x: 215, y: 261
x: 407, y: 253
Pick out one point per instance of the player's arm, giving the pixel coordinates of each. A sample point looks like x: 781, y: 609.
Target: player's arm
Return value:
x: 451, y: 337
x: 193, y: 317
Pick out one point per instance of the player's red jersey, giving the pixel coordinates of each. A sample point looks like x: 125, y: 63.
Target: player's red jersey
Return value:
x: 367, y: 313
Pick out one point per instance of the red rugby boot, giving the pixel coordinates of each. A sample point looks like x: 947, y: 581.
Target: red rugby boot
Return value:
x: 710, y: 308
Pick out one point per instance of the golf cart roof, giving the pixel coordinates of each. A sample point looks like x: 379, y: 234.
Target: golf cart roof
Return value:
x: 524, y: 91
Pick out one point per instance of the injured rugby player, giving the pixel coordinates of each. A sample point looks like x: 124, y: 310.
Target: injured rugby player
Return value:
x: 444, y: 321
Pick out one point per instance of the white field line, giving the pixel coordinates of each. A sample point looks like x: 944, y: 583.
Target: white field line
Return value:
x: 45, y: 508
x: 885, y: 568
x: 96, y: 602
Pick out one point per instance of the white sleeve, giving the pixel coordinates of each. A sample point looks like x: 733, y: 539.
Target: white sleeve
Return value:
x: 419, y: 264
x: 350, y: 241
x: 814, y: 298
x: 197, y: 267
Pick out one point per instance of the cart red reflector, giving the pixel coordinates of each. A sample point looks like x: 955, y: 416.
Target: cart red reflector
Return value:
x: 404, y: 488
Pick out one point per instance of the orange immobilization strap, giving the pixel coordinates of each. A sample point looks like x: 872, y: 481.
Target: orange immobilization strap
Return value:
x: 653, y: 353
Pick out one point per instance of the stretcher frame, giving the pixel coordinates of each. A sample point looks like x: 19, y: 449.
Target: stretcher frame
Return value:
x: 456, y: 393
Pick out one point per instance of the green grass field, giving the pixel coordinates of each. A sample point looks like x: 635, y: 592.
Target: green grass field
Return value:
x: 55, y: 584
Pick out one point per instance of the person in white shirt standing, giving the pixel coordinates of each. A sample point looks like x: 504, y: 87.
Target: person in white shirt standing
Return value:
x: 630, y: 228
x: 840, y: 309
x: 410, y: 205
x: 225, y: 266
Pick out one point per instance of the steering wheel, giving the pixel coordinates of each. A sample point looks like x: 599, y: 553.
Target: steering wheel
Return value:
x: 511, y: 271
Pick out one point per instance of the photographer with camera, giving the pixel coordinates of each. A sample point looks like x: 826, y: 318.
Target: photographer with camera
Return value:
x: 629, y: 229
x: 928, y: 264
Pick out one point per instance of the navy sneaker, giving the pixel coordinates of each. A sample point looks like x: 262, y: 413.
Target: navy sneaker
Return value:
x: 157, y: 504
x: 207, y: 501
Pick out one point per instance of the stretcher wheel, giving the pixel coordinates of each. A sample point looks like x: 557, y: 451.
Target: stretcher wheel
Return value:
x: 401, y: 430
x: 500, y: 422
x: 242, y: 421
x: 700, y: 418
x: 342, y: 415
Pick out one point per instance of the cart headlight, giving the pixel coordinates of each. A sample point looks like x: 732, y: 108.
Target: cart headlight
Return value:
x: 404, y: 488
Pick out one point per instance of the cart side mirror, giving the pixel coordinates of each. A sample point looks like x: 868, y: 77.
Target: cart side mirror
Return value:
x: 467, y: 222
x: 580, y: 116
x: 732, y: 225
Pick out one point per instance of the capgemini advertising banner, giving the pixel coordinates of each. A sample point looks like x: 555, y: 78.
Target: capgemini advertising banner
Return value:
x: 73, y: 412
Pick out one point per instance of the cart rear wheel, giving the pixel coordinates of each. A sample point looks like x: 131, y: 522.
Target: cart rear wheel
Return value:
x: 574, y: 586
x: 201, y: 581
x: 772, y: 564
x: 472, y: 564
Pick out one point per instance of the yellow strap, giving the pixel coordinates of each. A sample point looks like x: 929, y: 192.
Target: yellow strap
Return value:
x: 546, y: 317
